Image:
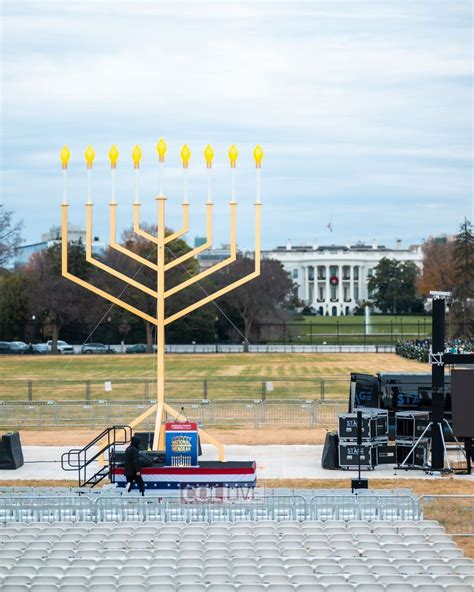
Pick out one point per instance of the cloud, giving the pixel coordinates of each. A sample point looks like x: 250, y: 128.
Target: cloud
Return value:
x: 354, y: 102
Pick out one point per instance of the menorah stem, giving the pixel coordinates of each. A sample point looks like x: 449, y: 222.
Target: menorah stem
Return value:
x: 158, y: 441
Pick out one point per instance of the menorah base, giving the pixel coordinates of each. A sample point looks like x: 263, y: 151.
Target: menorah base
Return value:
x: 208, y: 475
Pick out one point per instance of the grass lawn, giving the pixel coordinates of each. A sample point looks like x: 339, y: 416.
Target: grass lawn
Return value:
x: 227, y: 375
x: 375, y: 320
x: 382, y: 329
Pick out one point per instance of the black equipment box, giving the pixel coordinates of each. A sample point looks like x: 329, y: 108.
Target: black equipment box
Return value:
x: 349, y: 455
x: 386, y: 455
x: 418, y: 458
x: 374, y: 425
x: 410, y: 425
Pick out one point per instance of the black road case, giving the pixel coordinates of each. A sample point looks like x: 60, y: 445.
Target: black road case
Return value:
x: 349, y: 455
x: 409, y: 425
x: 374, y: 425
x: 418, y: 458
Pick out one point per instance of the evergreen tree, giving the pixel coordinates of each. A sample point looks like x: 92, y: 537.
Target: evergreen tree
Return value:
x: 463, y: 293
x: 393, y: 286
x: 14, y: 289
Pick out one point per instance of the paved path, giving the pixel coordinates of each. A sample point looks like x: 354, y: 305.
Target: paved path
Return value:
x: 273, y: 462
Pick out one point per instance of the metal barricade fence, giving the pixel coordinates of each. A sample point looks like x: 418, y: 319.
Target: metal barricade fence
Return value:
x: 59, y: 508
x: 305, y: 413
x: 113, y: 508
x: 454, y: 512
x: 365, y: 507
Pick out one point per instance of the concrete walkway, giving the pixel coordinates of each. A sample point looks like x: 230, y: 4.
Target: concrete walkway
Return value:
x: 273, y: 462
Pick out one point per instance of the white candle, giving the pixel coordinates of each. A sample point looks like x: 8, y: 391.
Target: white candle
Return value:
x: 64, y: 186
x: 258, y: 185
x: 89, y: 185
x: 161, y: 174
x: 137, y: 201
x: 185, y: 181
x: 113, y: 186
x: 233, y: 183
x: 209, y: 185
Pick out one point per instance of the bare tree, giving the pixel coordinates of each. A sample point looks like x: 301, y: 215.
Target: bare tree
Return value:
x: 56, y: 300
x: 438, y: 270
x: 197, y: 323
x: 10, y: 235
x: 258, y: 299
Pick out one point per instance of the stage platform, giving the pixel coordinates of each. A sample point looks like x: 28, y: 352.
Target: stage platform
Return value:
x: 273, y: 462
x: 207, y: 474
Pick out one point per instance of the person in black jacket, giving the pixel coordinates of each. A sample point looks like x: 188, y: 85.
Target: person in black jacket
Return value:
x: 132, y: 465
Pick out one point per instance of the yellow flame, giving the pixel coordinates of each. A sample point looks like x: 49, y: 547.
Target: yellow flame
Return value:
x: 90, y: 155
x: 209, y: 155
x: 185, y: 155
x: 65, y: 154
x: 258, y: 155
x: 136, y: 155
x: 161, y: 149
x: 113, y: 156
x: 233, y: 154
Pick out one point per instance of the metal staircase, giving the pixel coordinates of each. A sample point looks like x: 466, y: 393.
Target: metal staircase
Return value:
x: 103, y: 445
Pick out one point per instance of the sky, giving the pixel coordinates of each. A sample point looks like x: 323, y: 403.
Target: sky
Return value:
x: 363, y: 109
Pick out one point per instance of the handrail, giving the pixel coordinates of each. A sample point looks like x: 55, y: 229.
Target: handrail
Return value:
x: 76, y: 459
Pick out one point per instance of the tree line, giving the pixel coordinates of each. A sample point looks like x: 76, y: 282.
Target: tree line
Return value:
x: 37, y: 297
x: 36, y: 302
x: 448, y: 266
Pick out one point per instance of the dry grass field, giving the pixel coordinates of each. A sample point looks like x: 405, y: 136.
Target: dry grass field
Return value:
x: 201, y: 366
x: 191, y: 376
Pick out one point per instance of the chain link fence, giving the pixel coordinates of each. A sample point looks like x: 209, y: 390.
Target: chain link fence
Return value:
x: 142, y: 390
x: 63, y: 415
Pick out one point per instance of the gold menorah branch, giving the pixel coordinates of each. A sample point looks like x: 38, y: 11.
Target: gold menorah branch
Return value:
x: 161, y: 407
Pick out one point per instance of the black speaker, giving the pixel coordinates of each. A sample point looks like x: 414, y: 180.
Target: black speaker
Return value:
x: 359, y: 484
x: 462, y: 400
x: 11, y: 454
x: 330, y: 458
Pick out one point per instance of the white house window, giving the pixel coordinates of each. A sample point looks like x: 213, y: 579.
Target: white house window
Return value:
x: 295, y: 274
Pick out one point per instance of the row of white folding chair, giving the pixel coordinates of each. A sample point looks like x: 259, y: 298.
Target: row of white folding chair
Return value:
x: 273, y: 567
x: 244, y: 588
x: 217, y: 577
x: 350, y: 565
x: 171, y: 553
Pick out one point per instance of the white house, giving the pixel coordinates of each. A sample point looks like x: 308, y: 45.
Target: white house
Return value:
x: 333, y: 278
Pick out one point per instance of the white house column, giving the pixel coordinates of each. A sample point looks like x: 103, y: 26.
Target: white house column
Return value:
x: 328, y: 291
x: 351, y: 289
x: 340, y: 290
x: 304, y: 273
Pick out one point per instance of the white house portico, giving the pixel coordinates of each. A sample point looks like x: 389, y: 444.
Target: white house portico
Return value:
x: 333, y: 279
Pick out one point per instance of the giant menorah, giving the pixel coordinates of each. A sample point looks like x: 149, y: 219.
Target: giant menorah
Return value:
x: 160, y: 266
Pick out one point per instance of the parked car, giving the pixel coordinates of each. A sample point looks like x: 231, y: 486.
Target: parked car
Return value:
x: 63, y: 347
x: 19, y: 347
x: 96, y: 348
x: 40, y: 348
x: 13, y: 347
x: 138, y: 348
